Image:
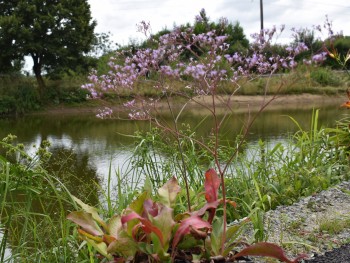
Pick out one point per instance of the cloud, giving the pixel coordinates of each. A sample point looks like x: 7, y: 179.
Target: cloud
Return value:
x: 121, y: 16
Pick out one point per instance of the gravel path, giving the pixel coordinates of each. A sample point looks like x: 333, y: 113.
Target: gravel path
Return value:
x: 314, y: 225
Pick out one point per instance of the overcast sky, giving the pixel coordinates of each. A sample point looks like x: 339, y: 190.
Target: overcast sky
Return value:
x: 119, y: 17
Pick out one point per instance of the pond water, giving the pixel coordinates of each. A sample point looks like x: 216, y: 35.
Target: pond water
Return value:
x: 97, y: 143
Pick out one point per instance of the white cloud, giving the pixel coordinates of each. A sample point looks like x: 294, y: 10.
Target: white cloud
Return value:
x: 121, y: 16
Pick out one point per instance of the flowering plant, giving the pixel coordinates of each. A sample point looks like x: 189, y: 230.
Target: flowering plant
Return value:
x: 203, y: 64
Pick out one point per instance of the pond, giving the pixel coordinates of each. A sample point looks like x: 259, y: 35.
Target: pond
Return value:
x: 93, y: 144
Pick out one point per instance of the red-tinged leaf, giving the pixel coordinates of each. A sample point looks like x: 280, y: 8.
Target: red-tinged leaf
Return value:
x: 168, y: 192
x: 211, y: 208
x: 151, y: 207
x: 147, y: 225
x: 184, y: 228
x: 198, y: 234
x: 265, y: 249
x: 211, y: 185
x: 86, y: 221
x: 129, y: 217
x: 137, y: 207
x: 108, y: 239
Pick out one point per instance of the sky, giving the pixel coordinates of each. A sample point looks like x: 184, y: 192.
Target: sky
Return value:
x: 119, y: 17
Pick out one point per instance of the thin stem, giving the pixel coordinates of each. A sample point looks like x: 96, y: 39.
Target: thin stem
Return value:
x: 177, y: 137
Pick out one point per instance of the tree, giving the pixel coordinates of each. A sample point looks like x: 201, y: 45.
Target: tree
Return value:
x: 54, y: 33
x: 235, y: 35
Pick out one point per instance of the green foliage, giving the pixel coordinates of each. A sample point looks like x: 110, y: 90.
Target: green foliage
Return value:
x: 32, y: 208
x: 333, y: 226
x: 342, y: 46
x: 147, y: 229
x: 17, y: 95
x: 56, y: 34
x: 58, y: 93
x: 325, y: 77
x: 260, y: 178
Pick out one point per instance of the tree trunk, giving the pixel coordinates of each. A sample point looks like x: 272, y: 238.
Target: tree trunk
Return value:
x: 37, y: 71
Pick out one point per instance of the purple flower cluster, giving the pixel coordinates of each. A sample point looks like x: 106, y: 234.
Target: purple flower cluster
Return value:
x: 104, y: 113
x: 209, y: 64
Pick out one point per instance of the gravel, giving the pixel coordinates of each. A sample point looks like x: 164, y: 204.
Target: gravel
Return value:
x: 315, y: 225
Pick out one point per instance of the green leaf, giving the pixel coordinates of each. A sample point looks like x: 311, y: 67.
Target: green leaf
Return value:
x: 168, y: 192
x: 232, y: 234
x: 91, y: 210
x: 164, y: 221
x: 148, y: 185
x: 100, y: 247
x: 86, y: 221
x: 115, y: 226
x: 124, y: 246
x: 137, y: 204
x: 216, y: 235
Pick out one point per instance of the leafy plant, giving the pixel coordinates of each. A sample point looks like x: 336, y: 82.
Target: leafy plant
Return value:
x: 149, y: 228
x: 210, y: 68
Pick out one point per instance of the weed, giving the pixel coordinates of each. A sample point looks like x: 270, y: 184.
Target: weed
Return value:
x: 333, y: 226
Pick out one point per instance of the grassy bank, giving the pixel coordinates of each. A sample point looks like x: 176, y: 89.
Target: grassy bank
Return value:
x: 18, y: 94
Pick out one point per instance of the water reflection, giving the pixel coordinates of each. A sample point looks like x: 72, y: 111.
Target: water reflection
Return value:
x: 95, y: 143
x: 76, y: 171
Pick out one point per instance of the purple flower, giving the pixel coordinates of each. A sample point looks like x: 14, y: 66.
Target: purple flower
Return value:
x: 319, y: 58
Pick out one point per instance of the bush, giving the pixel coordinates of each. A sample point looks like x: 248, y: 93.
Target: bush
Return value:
x: 325, y: 77
x: 18, y: 94
x: 7, y: 105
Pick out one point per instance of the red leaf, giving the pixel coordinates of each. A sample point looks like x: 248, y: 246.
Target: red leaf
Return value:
x: 151, y: 207
x: 211, y: 208
x: 193, y: 222
x: 211, y: 185
x: 147, y: 225
x: 265, y: 249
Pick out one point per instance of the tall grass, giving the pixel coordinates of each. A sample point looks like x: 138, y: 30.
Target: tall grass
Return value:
x: 33, y: 210
x: 262, y: 176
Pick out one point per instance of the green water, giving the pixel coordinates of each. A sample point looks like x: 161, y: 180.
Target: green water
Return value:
x: 94, y: 143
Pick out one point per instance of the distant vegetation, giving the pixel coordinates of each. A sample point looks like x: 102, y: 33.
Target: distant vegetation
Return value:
x: 65, y: 62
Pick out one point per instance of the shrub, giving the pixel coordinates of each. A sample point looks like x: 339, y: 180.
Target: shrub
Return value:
x: 325, y: 77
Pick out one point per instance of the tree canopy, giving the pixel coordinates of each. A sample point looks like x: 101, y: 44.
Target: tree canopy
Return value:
x: 56, y: 34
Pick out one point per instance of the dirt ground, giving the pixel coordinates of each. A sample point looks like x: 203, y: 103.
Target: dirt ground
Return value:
x: 237, y: 103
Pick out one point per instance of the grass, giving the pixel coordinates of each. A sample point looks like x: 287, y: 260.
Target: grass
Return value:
x: 22, y: 95
x: 333, y: 226
x: 261, y: 177
x: 36, y: 199
x: 33, y: 210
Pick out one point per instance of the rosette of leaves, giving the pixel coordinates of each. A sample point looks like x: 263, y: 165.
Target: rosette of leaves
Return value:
x: 149, y: 231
